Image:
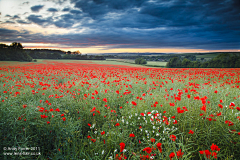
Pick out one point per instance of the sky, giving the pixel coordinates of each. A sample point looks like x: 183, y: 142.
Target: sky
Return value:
x: 117, y: 26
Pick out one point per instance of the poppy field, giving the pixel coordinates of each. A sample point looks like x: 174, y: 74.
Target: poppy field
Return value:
x: 56, y: 110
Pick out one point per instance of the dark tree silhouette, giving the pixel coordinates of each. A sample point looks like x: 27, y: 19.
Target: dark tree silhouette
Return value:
x: 16, y: 45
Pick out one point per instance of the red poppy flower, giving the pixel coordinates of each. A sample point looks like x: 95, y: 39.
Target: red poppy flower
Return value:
x: 148, y: 150
x: 172, y: 155
x: 214, y: 154
x: 219, y: 105
x: 58, y: 110
x: 215, y: 147
x: 190, y: 132
x: 175, y: 122
x: 134, y: 103
x: 131, y: 135
x: 173, y: 137
x: 205, y: 152
x: 229, y: 123
x: 64, y: 119
x: 179, y: 153
x: 122, y: 145
x: 159, y: 146
x: 152, y: 140
x: 105, y: 99
x: 103, y: 132
x: 94, y: 109
x: 89, y: 137
x: 117, y: 124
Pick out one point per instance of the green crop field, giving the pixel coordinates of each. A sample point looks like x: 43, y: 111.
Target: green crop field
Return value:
x: 156, y: 63
x: 101, y: 110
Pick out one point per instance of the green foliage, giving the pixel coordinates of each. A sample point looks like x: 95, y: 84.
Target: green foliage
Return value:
x: 224, y: 60
x: 16, y: 45
x: 140, y: 61
x: 191, y: 57
x: 44, y: 55
x: 174, y: 62
x: 196, y: 64
x: 14, y: 52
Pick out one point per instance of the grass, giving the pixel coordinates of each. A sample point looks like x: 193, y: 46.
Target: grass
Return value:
x: 154, y: 63
x: 83, y: 110
x: 131, y: 61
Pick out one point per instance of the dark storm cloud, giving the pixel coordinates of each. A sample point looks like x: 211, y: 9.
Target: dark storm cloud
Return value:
x: 37, y: 8
x: 15, y: 17
x: 68, y: 20
x: 23, y: 22
x: 97, y: 8
x: 9, y: 22
x: 52, y: 10
x: 39, y: 20
x: 6, y: 32
x: 75, y: 11
x: 195, y: 24
x: 66, y: 9
x: 63, y: 24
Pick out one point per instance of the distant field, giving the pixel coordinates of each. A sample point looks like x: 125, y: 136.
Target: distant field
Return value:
x: 212, y: 55
x: 118, y: 62
x: 156, y: 63
x: 125, y: 62
x: 108, y: 62
x: 149, y: 63
x: 122, y: 60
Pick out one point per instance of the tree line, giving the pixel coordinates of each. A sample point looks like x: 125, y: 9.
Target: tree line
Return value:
x: 224, y: 60
x: 15, y: 52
